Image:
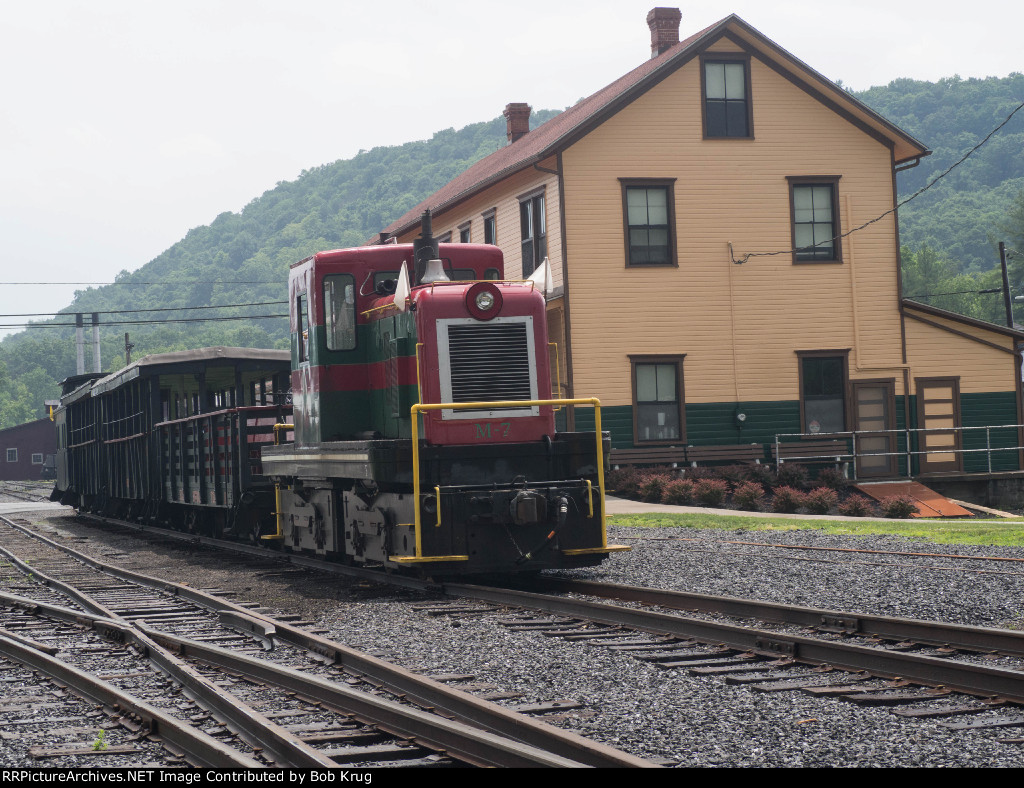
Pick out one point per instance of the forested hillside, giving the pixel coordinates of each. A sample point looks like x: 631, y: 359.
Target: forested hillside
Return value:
x: 949, y: 234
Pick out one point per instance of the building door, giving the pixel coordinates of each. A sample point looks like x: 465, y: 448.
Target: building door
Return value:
x: 873, y: 407
x: 938, y: 415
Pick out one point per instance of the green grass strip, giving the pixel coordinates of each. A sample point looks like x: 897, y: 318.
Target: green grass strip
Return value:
x: 1009, y: 533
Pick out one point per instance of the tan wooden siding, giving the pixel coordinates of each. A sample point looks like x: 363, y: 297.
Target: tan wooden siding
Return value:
x: 933, y: 352
x: 738, y: 324
x: 504, y: 197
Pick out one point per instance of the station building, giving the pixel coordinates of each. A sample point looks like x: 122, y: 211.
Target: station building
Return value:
x: 722, y: 233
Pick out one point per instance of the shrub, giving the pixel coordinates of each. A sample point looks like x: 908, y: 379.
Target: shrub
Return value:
x: 710, y: 492
x: 820, y: 500
x: 833, y: 478
x: 898, y: 506
x: 624, y: 481
x: 856, y: 506
x: 701, y: 472
x: 787, y: 499
x: 762, y: 474
x: 749, y: 496
x: 792, y: 475
x: 678, y: 492
x: 652, y: 487
x: 734, y: 474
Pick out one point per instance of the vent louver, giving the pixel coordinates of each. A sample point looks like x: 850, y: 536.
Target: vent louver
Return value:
x: 490, y: 362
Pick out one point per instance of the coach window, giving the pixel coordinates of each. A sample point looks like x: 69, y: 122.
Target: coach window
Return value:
x: 823, y: 384
x: 658, y: 412
x: 340, y: 311
x: 649, y: 217
x: 303, y: 339
x: 534, y: 232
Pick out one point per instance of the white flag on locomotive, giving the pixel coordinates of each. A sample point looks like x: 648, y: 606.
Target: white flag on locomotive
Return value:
x: 402, y: 290
x: 541, y: 278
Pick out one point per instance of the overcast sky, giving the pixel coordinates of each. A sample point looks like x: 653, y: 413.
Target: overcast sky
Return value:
x: 125, y: 123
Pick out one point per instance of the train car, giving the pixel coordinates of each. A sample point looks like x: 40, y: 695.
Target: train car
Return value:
x: 424, y: 422
x: 175, y: 439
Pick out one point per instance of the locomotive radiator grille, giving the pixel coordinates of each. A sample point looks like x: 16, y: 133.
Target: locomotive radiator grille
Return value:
x: 487, y: 362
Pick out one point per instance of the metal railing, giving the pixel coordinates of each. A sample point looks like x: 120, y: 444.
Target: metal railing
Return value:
x: 420, y: 407
x: 913, y: 440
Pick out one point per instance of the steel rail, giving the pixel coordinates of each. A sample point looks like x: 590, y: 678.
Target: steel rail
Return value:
x: 462, y: 741
x: 204, y: 749
x: 964, y: 677
x: 417, y: 688
x: 250, y: 725
x: 935, y: 633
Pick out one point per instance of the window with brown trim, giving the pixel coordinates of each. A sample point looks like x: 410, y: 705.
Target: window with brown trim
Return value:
x: 533, y: 226
x: 464, y: 233
x: 648, y: 209
x: 824, y: 380
x: 725, y: 85
x: 814, y: 208
x: 659, y: 415
x: 491, y: 227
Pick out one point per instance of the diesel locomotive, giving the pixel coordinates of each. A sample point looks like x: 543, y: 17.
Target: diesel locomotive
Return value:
x: 424, y: 423
x: 422, y: 433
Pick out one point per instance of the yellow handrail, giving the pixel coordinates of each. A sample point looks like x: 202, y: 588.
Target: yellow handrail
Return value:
x: 419, y: 407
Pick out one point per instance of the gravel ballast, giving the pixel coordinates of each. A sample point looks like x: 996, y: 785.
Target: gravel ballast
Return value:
x: 659, y: 714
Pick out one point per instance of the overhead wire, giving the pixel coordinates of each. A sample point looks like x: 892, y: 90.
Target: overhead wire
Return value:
x: 892, y: 210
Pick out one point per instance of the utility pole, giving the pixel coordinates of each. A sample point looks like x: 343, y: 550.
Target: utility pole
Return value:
x: 1006, y: 285
x: 127, y: 350
x: 96, y: 365
x: 80, y: 344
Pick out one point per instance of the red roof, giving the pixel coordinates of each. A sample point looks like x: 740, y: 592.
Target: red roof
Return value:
x: 565, y: 128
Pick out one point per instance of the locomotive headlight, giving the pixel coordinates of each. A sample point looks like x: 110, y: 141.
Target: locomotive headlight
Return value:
x: 483, y: 300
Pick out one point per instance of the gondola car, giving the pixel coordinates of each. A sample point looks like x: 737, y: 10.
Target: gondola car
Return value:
x: 424, y: 423
x: 175, y: 439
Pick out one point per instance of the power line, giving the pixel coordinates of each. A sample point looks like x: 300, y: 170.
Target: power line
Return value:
x: 148, y: 322
x: 136, y: 311
x: 166, y: 282
x: 899, y: 205
x: 958, y: 292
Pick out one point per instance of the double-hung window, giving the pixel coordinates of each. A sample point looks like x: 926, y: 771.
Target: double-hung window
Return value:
x: 814, y: 206
x: 491, y: 227
x: 649, y: 214
x: 534, y: 232
x: 658, y: 415
x: 726, y: 85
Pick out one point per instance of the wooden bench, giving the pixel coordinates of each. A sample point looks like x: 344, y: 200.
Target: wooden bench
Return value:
x: 656, y: 455
x: 812, y: 452
x: 677, y: 456
x: 750, y: 453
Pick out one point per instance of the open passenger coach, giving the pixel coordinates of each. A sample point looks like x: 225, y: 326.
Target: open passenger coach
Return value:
x: 174, y: 439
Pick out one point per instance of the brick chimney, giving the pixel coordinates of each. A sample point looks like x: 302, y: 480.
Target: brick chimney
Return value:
x: 664, y: 24
x: 517, y: 119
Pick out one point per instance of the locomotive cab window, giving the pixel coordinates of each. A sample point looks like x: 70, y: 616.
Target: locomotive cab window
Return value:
x: 340, y: 311
x: 302, y: 308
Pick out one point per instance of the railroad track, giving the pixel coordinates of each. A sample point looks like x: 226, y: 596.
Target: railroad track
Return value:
x: 237, y: 663
x: 963, y: 677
